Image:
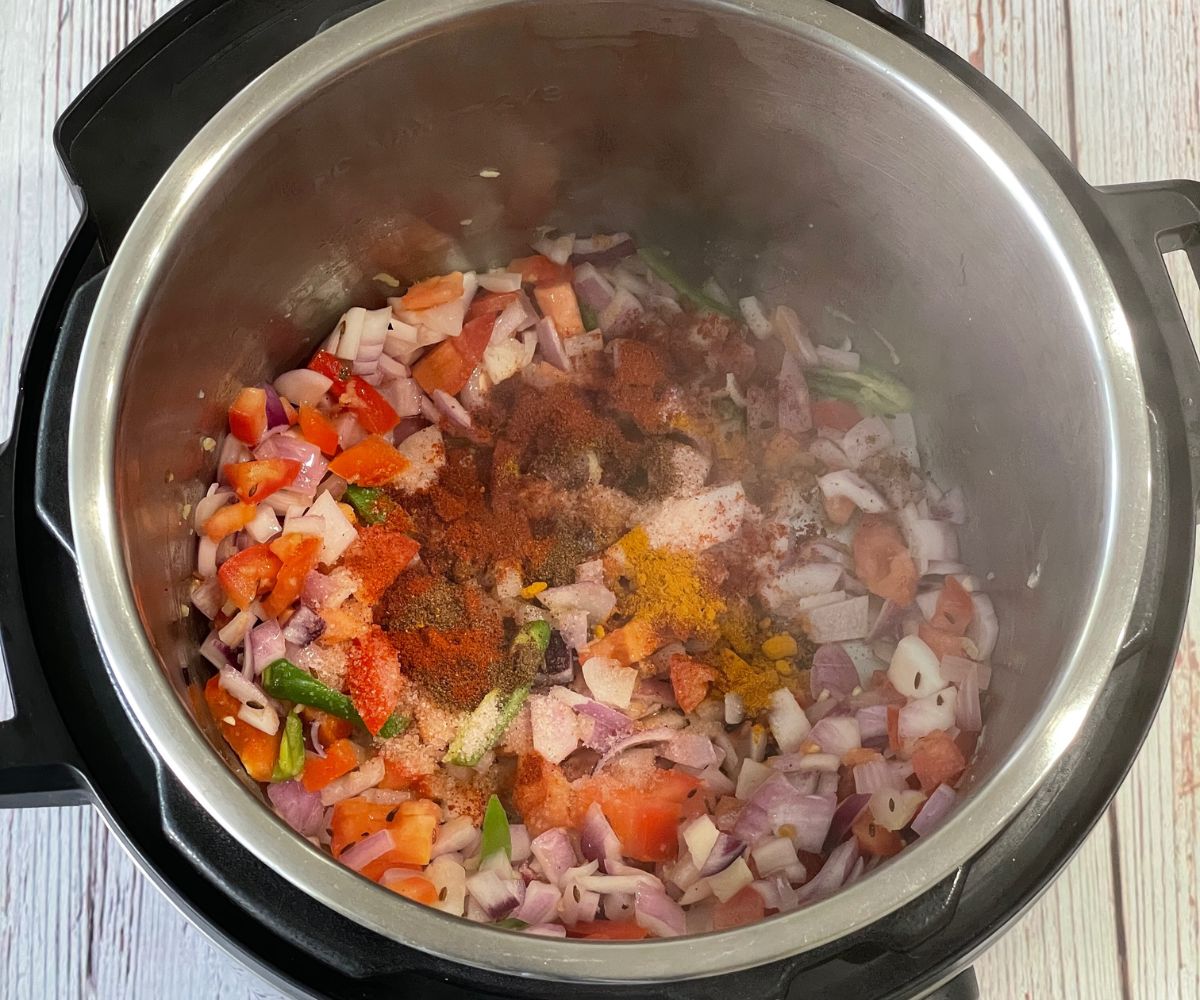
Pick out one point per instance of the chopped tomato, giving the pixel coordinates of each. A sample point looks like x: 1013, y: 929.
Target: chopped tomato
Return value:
x: 542, y: 794
x: 745, y: 907
x: 442, y: 367
x: 628, y: 644
x: 434, y: 291
x: 299, y: 555
x: 337, y: 370
x: 690, y: 681
x: 942, y: 643
x: 539, y: 270
x: 937, y: 760
x: 608, y: 930
x: 490, y: 304
x: 289, y: 411
x: 373, y: 413
x: 954, y: 608
x: 329, y: 727
x: 397, y: 776
x: 371, y: 462
x: 317, y: 429
x: 449, y: 365
x: 356, y: 819
x: 839, y: 510
x: 558, y: 301
x: 248, y: 415
x: 882, y: 561
x: 836, y: 414
x: 646, y: 816
x: 875, y: 840
x: 377, y: 557
x: 257, y: 750
x: 373, y: 677
x: 341, y: 757
x: 414, y: 887
x: 228, y: 519
x: 248, y: 574
x: 257, y: 480
x: 893, y: 727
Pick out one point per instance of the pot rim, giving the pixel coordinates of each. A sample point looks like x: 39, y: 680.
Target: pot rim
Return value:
x: 183, y: 747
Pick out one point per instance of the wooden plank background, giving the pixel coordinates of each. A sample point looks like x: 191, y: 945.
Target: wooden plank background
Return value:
x: 1115, y: 82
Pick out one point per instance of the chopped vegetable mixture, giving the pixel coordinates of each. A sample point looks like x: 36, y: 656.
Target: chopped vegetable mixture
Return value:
x: 574, y: 598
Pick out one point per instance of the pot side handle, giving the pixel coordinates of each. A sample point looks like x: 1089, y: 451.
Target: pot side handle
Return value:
x: 1151, y: 220
x: 912, y: 11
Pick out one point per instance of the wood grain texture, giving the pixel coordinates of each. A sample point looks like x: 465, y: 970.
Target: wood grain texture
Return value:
x: 1107, y: 79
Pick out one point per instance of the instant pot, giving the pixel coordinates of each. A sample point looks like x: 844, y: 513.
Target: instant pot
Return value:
x: 246, y: 167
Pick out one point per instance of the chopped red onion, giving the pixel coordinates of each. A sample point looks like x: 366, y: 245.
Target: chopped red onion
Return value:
x: 851, y: 486
x: 339, y: 533
x: 495, y: 895
x: 500, y: 281
x: 839, y: 622
x: 303, y: 627
x: 209, y: 505
x: 558, y: 249
x: 609, y: 682
x: 658, y: 735
x: 929, y: 541
x: 452, y: 408
x: 206, y: 558
x: 404, y: 396
x: 922, y: 716
x: 659, y: 913
x: 968, y: 715
x: 298, y: 807
x: 276, y: 417
x: 805, y: 580
x: 554, y: 853
x: 691, y: 749
x: 914, y: 670
x: 836, y: 735
x: 237, y: 628
x: 833, y: 670
x: 314, y: 735
x: 984, y: 628
x: 872, y: 723
x: 887, y: 623
x: 934, y: 811
x: 552, y: 345
x: 457, y: 834
x: 266, y: 644
x: 756, y: 319
x: 318, y: 590
x: 789, y: 724
x: 611, y: 246
x: 955, y: 669
x: 724, y: 852
x: 217, y: 653
x: 594, y: 598
x: 622, y: 308
x: 573, y: 626
x: 876, y: 776
x: 361, y: 853
x: 593, y: 289
x: 847, y: 815
x: 540, y: 904
x: 231, y: 452
x: 868, y: 437
x: 367, y: 776
x: 554, y: 729
x: 728, y: 883
x: 608, y: 725
x: 208, y: 597
x: 894, y: 810
x: 578, y: 904
x: 951, y: 506
x: 350, y: 431
x: 795, y: 411
x: 833, y: 873
x: 773, y: 854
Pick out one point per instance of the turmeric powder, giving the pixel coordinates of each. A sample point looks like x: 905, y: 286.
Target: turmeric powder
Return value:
x: 668, y: 588
x: 754, y: 682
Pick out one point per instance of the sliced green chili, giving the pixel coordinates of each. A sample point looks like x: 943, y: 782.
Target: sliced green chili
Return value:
x: 372, y: 505
x: 284, y: 680
x: 656, y: 260
x: 496, y: 834
x: 872, y: 391
x: 291, y: 750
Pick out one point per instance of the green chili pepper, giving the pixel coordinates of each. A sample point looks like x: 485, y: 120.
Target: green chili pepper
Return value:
x: 496, y: 835
x: 370, y: 504
x: 511, y: 924
x: 586, y: 313
x: 657, y: 262
x: 291, y: 750
x: 872, y: 391
x: 283, y: 679
x: 485, y: 726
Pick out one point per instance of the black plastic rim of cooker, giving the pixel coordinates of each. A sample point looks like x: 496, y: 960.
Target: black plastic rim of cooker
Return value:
x: 72, y: 740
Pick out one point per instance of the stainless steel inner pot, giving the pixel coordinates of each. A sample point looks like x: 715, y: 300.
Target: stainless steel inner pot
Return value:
x: 800, y: 153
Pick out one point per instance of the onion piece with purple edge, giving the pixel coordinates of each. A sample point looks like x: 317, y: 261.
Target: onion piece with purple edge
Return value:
x: 267, y: 644
x: 208, y: 598
x: 846, y: 815
x: 725, y: 852
x: 794, y: 409
x: 610, y: 245
x: 658, y: 913
x: 833, y: 873
x: 838, y: 622
x: 594, y: 598
x: 806, y: 817
x: 297, y: 806
x: 276, y: 416
x: 894, y: 810
x: 361, y: 853
x: 658, y: 735
x: 593, y: 289
x: 836, y: 735
x: 792, y: 763
x: 833, y: 670
x: 457, y: 834
x: 558, y: 248
x: 304, y: 627
x: 608, y: 725
x: 968, y: 715
x: 553, y: 851
x: 303, y: 386
x: 368, y: 775
x: 314, y: 735
x: 875, y: 776
x: 578, y: 904
x: 922, y: 716
x: 495, y: 895
x: 941, y: 800
x: 851, y: 486
x: 217, y: 653
x: 552, y: 345
x: 597, y: 841
x: 553, y: 727
x: 887, y: 622
x: 540, y: 905
x: 452, y: 408
x: 691, y: 749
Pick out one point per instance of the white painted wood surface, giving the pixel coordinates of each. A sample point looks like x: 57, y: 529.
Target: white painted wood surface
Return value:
x: 1115, y: 82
